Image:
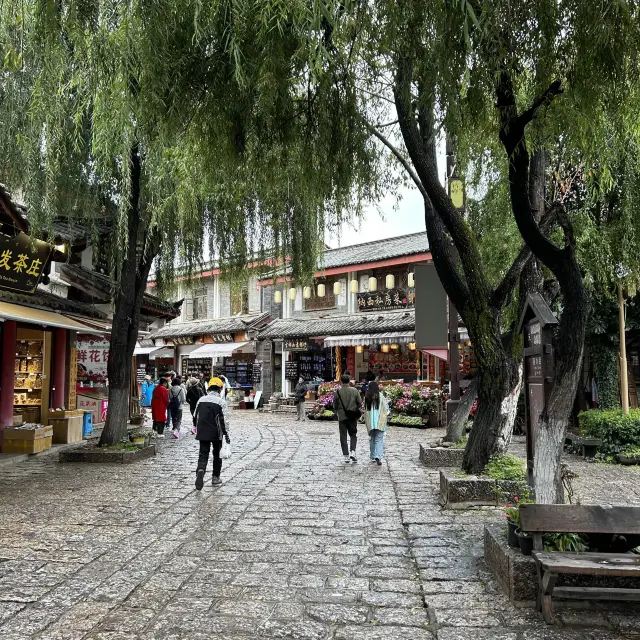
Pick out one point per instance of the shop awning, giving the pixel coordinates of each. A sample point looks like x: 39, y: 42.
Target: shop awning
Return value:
x: 162, y: 352
x: 220, y: 350
x: 398, y: 337
x: 143, y: 351
x: 443, y: 354
x: 43, y: 318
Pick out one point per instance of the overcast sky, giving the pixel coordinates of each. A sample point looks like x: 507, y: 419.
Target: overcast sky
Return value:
x: 391, y: 218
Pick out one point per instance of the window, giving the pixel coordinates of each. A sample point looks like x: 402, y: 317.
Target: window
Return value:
x: 315, y: 303
x: 240, y: 302
x: 196, y: 308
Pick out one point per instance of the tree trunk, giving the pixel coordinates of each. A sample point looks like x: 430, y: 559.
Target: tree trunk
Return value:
x: 131, y: 284
x: 455, y: 428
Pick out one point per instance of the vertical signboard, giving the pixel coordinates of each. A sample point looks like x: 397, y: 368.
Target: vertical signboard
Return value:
x: 431, y: 309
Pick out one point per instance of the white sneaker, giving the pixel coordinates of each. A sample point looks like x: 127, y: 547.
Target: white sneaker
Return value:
x: 347, y: 459
x: 160, y: 435
x: 353, y: 456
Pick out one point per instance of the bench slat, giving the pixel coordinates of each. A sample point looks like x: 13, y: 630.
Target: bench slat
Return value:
x: 596, y: 593
x: 568, y: 518
x: 597, y: 564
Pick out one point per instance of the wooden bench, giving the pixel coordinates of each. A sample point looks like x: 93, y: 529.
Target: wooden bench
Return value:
x: 588, y: 519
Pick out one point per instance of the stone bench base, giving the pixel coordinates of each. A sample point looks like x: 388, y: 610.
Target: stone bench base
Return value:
x: 471, y: 491
x: 441, y: 457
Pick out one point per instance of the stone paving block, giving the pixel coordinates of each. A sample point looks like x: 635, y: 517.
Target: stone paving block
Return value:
x: 383, y: 633
x: 401, y: 586
x: 473, y: 618
x: 415, y: 617
x: 338, y: 613
x: 390, y: 599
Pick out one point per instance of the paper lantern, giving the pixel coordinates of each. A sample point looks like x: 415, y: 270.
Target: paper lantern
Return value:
x: 412, y: 346
x: 384, y: 348
x: 337, y: 288
x: 390, y: 281
x: 293, y: 292
x: 306, y: 293
x: 373, y: 284
x: 359, y: 348
x: 355, y: 286
x: 411, y: 281
x: 321, y: 291
x: 395, y: 346
x: 277, y: 296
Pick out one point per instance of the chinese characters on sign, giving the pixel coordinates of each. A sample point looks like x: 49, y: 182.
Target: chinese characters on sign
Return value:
x: 22, y: 260
x: 222, y: 337
x: 295, y: 344
x: 291, y: 370
x: 73, y: 374
x: 93, y: 358
x: 384, y: 300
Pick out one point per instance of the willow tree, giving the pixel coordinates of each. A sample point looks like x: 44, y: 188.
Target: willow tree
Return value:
x: 181, y: 124
x: 528, y: 78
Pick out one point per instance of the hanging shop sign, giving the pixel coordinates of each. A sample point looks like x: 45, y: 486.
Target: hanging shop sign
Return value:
x: 22, y: 260
x: 385, y: 300
x: 221, y: 337
x: 73, y: 376
x: 183, y: 340
x: 295, y: 344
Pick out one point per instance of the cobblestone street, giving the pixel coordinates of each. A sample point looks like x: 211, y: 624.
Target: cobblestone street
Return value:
x: 294, y: 544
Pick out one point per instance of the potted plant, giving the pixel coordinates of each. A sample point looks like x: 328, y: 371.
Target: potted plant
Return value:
x: 512, y: 516
x: 629, y: 455
x: 138, y: 438
x: 525, y: 541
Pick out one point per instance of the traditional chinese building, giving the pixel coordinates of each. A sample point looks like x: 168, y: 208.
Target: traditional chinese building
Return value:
x: 357, y: 316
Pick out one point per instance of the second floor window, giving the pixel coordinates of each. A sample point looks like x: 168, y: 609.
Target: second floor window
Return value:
x: 196, y: 307
x: 240, y: 301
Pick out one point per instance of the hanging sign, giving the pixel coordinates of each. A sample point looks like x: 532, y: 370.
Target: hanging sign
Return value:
x: 22, y: 260
x: 385, y: 300
x: 221, y: 337
x: 295, y: 344
x: 92, y: 359
x: 73, y: 376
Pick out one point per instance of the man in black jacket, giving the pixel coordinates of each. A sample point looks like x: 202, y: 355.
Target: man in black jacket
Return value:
x: 212, y: 424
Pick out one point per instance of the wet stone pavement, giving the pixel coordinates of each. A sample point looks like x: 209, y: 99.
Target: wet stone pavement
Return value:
x: 295, y: 544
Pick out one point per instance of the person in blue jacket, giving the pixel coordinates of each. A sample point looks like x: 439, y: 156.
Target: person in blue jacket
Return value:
x: 146, y: 391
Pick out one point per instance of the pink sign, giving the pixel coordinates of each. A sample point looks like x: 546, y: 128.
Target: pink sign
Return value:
x: 93, y: 357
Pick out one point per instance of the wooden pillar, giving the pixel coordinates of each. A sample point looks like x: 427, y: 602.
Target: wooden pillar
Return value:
x: 338, y: 364
x: 59, y: 369
x: 7, y: 374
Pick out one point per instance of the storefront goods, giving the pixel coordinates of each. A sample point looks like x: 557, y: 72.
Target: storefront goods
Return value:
x: 27, y: 438
x: 67, y: 426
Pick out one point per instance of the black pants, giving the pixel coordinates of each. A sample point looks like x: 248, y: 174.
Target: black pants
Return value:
x: 348, y: 427
x: 159, y: 426
x: 203, y: 458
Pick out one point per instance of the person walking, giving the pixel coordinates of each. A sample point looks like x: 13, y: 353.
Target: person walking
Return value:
x: 177, y: 398
x: 159, y: 405
x: 376, y: 414
x: 346, y: 402
x: 212, y: 424
x: 146, y: 391
x: 203, y: 383
x: 300, y: 392
x: 194, y: 393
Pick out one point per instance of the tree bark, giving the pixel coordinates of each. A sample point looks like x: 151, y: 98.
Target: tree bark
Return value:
x: 570, y: 336
x: 455, y: 428
x: 131, y: 285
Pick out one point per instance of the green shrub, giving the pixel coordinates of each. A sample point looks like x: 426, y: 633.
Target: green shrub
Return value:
x: 409, y: 421
x: 506, y: 468
x: 462, y: 443
x: 616, y: 430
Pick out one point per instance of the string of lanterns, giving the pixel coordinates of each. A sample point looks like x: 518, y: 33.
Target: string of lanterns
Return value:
x: 354, y: 287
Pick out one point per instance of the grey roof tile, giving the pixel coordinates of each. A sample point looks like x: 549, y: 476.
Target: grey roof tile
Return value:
x: 375, y: 251
x: 211, y: 326
x: 357, y: 323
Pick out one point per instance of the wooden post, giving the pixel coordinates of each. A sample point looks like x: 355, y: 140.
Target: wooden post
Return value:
x: 9, y: 334
x: 624, y: 381
x: 59, y: 369
x: 338, y: 364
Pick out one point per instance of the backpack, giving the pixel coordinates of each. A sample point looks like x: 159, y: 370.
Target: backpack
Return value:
x: 174, y: 400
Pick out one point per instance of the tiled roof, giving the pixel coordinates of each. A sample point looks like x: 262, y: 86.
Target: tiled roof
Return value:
x: 357, y: 323
x: 45, y: 300
x: 82, y: 278
x: 375, y: 251
x: 212, y: 326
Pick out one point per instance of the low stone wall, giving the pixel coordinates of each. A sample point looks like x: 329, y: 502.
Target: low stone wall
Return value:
x: 515, y: 573
x: 96, y: 454
x: 441, y: 457
x: 470, y: 491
